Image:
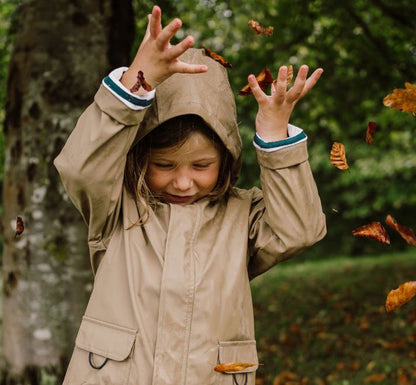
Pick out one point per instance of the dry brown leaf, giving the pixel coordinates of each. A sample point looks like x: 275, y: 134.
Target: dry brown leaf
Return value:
x: 141, y: 82
x: 20, y: 227
x: 378, y: 377
x: 258, y: 29
x: 217, y: 58
x: 406, y: 233
x: 233, y: 366
x: 264, y: 78
x: 284, y: 377
x: 337, y: 156
x: 402, y: 99
x: 371, y: 129
x: 398, y: 297
x: 373, y: 230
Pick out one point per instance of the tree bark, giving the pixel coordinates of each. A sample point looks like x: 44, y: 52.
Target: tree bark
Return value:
x: 62, y: 50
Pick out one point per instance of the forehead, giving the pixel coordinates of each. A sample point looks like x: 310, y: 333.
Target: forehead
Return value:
x: 197, y: 145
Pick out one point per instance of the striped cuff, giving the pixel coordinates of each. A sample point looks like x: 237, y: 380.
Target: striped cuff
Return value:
x: 135, y: 102
x: 295, y: 136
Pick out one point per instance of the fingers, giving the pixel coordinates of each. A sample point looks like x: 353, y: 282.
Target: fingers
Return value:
x: 155, y: 22
x: 258, y: 93
x: 311, y: 81
x: 182, y: 67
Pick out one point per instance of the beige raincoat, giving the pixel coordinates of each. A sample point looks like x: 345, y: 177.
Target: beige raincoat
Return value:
x: 171, y: 299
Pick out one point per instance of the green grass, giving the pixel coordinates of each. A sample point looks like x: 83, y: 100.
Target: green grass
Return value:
x: 324, y: 322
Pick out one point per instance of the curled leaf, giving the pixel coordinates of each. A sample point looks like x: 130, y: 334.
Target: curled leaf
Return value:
x: 398, y: 297
x: 402, y: 99
x: 217, y: 58
x: 258, y: 29
x: 264, y: 78
x: 373, y: 230
x: 141, y: 82
x: 371, y: 129
x: 406, y: 233
x: 20, y: 227
x: 233, y: 367
x: 337, y: 156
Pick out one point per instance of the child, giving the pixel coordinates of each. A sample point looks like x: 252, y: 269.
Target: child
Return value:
x: 173, y: 244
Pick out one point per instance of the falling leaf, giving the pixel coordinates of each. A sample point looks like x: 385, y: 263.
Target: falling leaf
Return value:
x: 371, y: 129
x: 398, y: 297
x: 406, y: 233
x: 373, y: 230
x: 217, y: 58
x: 337, y: 156
x: 264, y: 78
x: 258, y: 29
x: 141, y: 82
x: 234, y: 366
x: 20, y: 227
x: 403, y: 99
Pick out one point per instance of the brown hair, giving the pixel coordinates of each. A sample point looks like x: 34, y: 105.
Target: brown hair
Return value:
x: 173, y: 133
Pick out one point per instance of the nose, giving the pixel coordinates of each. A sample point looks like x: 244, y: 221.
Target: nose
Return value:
x: 183, y: 180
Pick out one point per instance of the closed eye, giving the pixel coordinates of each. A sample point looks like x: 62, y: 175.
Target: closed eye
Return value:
x: 163, y: 165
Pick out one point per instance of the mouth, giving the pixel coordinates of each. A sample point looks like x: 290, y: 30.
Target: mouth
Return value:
x: 178, y: 199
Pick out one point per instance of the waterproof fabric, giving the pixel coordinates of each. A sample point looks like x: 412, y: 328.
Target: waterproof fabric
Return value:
x: 171, y: 298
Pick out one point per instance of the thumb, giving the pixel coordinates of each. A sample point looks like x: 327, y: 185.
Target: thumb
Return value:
x: 258, y: 93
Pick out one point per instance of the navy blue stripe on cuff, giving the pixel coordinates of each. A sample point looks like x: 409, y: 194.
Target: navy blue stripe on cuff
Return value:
x: 279, y: 143
x: 136, y: 101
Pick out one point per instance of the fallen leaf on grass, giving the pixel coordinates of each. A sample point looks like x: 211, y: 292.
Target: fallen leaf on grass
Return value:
x: 398, y: 297
x: 406, y: 233
x: 233, y: 366
x: 403, y: 99
x: 264, y: 78
x: 217, y: 58
x: 259, y: 30
x: 378, y: 377
x: 337, y: 156
x: 373, y: 230
x: 371, y: 129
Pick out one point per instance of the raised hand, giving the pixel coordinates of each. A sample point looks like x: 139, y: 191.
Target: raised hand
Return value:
x: 275, y: 109
x: 156, y: 57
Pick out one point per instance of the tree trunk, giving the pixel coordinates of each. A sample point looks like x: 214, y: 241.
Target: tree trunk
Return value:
x: 62, y: 50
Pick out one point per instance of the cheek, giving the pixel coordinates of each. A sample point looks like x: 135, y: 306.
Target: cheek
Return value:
x: 155, y: 180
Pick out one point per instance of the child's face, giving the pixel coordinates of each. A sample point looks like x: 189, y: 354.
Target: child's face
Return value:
x: 185, y: 174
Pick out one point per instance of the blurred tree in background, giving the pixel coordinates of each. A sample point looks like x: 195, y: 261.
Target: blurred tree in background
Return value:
x: 62, y: 50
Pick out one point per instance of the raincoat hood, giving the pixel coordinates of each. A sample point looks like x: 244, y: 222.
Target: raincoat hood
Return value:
x: 207, y: 95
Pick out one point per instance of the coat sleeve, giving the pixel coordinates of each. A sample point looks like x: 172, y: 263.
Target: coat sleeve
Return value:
x: 286, y: 215
x: 91, y: 164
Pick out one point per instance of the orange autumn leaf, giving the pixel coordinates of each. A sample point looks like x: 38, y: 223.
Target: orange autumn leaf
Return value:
x: 284, y: 377
x: 371, y: 129
x: 406, y: 233
x: 233, y: 366
x: 258, y: 29
x: 264, y: 78
x: 217, y: 58
x: 337, y: 156
x: 378, y: 377
x: 373, y: 230
x: 403, y: 99
x: 141, y: 82
x: 398, y: 297
x: 20, y: 227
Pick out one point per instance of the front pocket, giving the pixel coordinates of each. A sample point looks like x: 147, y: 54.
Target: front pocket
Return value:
x: 242, y: 352
x: 102, y: 354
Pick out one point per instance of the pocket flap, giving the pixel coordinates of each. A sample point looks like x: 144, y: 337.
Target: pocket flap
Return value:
x: 105, y: 339
x: 239, y: 351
